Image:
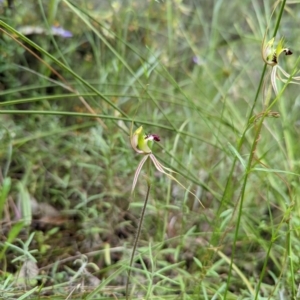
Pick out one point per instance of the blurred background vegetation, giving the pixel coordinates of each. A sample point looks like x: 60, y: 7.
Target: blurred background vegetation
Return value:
x: 187, y: 70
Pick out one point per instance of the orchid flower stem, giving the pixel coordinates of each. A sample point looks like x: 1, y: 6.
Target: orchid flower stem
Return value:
x: 248, y: 169
x: 138, y: 234
x: 279, y: 18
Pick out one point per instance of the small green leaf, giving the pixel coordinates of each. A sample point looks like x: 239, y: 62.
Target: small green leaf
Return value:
x: 15, y: 230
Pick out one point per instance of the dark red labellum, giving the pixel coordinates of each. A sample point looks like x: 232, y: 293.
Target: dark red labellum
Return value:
x: 288, y: 51
x: 156, y: 137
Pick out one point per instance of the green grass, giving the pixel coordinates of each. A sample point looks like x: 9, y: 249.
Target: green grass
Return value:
x: 189, y: 71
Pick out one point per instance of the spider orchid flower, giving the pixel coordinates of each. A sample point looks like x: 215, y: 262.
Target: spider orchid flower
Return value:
x: 142, y: 143
x: 270, y: 55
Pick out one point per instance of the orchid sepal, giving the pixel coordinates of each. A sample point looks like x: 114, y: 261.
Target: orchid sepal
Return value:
x: 270, y: 56
x: 142, y: 144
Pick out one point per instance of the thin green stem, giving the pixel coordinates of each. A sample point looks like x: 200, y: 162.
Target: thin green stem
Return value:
x: 242, y: 197
x: 279, y: 18
x: 251, y: 156
x: 290, y: 255
x: 241, y: 142
x: 262, y: 273
x: 137, y: 237
x: 108, y: 117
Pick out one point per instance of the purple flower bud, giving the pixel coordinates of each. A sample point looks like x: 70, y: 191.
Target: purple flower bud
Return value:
x: 57, y: 30
x: 196, y: 60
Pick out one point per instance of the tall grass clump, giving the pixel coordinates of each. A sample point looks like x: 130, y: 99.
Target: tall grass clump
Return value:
x: 84, y: 86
